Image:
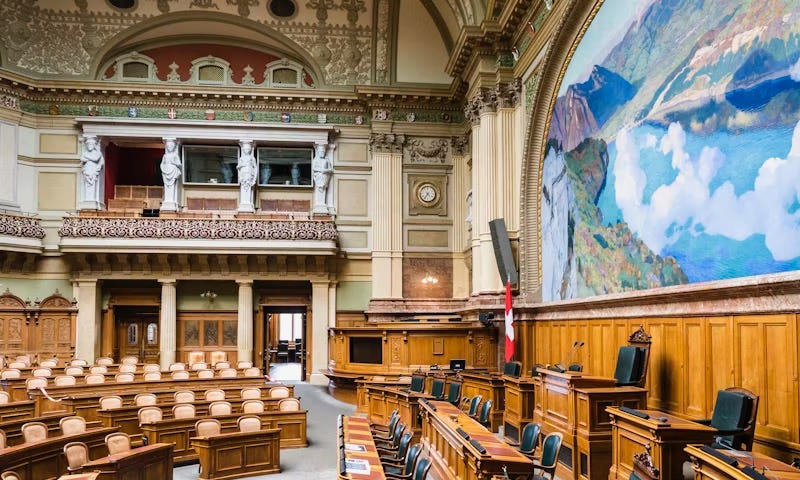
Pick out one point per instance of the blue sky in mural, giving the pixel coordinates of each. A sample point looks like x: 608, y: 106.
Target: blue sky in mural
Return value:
x: 677, y: 126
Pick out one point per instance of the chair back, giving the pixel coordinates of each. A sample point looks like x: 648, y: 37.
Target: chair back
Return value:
x: 417, y: 383
x: 249, y: 423
x: 34, y: 432
x: 72, y: 425
x: 9, y: 476
x: 512, y: 369
x: 473, y: 405
x: 78, y: 362
x: 110, y: 401
x: 177, y: 367
x: 77, y: 454
x: 184, y: 396
x: 17, y: 365
x: 205, y: 373
x: 41, y: 372
x: 530, y: 438
x: 289, y: 405
x: 486, y: 410
x: 402, y: 448
x: 218, y: 356
x: 220, y: 408
x: 152, y: 376
x: 250, y: 392
x: 199, y: 366
x: 397, y: 433
x: 124, y: 378
x: 252, y: 372
x: 4, y: 397
x: 215, y: 395
x: 437, y: 388
x: 630, y: 362
x: 150, y: 415
x: 278, y: 392
x: 127, y: 368
x: 49, y: 363
x: 145, y: 399
x: 183, y: 410
x: 453, y: 392
x: 411, y: 458
x: 221, y: 365
x: 422, y: 468
x: 575, y: 367
x: 207, y: 427
x: 152, y: 367
x: 118, y: 442
x: 10, y: 373
x: 180, y: 375
x: 104, y: 361
x: 129, y: 360
x: 73, y: 370
x: 736, y: 409
x: 98, y: 369
x: 244, y: 365
x: 64, y: 380
x: 252, y: 406
x: 35, y: 383
x: 196, y: 357
x: 228, y: 373
x: 550, y: 448
x: 94, y: 379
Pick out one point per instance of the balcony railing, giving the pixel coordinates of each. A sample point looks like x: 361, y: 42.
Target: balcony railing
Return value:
x: 16, y: 225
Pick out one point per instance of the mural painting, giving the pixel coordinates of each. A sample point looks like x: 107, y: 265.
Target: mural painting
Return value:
x: 673, y: 154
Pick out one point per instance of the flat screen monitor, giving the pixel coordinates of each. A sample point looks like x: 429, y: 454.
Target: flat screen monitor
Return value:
x: 366, y: 350
x: 458, y: 364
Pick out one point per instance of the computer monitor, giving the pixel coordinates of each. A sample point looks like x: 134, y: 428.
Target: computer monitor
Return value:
x: 458, y: 364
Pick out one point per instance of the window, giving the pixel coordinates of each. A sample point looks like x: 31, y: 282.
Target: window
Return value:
x: 290, y: 326
x: 152, y: 334
x: 212, y: 74
x: 284, y: 73
x: 282, y: 8
x: 210, y: 164
x: 284, y: 166
x: 132, y: 67
x: 210, y: 70
x: 135, y: 70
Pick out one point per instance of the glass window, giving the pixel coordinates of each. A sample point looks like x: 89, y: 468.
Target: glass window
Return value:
x: 284, y: 166
x: 229, y: 332
x: 285, y: 327
x: 211, y: 74
x: 135, y: 70
x: 210, y: 164
x: 298, y: 326
x: 211, y: 333
x: 152, y: 334
x: 191, y: 333
x: 133, y: 334
x: 284, y: 76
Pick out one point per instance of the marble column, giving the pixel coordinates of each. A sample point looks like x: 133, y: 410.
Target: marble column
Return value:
x: 168, y: 322
x: 387, y: 225
x: 332, y: 305
x: 320, y: 318
x: 461, y: 212
x: 88, y: 322
x: 244, y: 334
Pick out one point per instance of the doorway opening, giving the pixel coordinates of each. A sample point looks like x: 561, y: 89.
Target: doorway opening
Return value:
x: 286, y: 342
x: 136, y: 333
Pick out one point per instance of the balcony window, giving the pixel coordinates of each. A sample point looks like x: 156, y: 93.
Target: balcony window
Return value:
x: 210, y: 164
x: 284, y: 166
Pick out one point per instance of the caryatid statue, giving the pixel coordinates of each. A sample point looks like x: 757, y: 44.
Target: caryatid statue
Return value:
x: 92, y: 163
x: 322, y: 171
x: 170, y: 174
x: 247, y: 167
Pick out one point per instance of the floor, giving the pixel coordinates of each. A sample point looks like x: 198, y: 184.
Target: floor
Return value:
x: 318, y: 461
x: 285, y: 372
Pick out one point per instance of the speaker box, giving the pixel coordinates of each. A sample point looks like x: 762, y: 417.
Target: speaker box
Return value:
x: 502, y: 251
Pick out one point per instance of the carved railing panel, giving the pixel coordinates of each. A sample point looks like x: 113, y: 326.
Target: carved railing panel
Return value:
x: 20, y: 226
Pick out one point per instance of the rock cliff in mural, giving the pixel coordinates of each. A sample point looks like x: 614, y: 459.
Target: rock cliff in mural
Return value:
x: 674, y: 149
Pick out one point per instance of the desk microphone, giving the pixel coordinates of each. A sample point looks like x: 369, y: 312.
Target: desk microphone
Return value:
x: 560, y: 366
x: 575, y: 352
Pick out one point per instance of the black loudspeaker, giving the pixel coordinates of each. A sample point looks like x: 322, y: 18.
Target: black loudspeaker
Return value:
x: 502, y: 251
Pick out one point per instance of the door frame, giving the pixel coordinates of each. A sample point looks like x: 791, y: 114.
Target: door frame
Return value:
x: 265, y: 311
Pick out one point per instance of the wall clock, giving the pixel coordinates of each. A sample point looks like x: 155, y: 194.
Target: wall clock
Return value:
x: 428, y: 194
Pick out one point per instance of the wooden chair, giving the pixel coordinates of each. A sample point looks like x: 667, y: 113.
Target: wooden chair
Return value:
x: 41, y: 372
x: 4, y: 397
x: 196, y: 357
x: 118, y: 442
x: 72, y: 425
x: 199, y: 366
x: 530, y: 439
x: 98, y: 369
x: 473, y: 405
x: 228, y: 373
x: 437, y: 388
x: 249, y: 423
x: 77, y: 454
x: 149, y: 415
x: 207, y: 427
x: 64, y: 380
x: 252, y: 406
x: 35, y: 383
x: 184, y: 396
x: 221, y: 365
x: 219, y: 356
x: 145, y: 400
x: 244, y: 365
x: 94, y: 379
x: 735, y: 414
x: 404, y: 470
x: 78, y: 362
x: 51, y: 363
x: 110, y: 401
x: 512, y: 369
x: 250, y: 392
x: 3, y: 440
x: 549, y: 459
x: 289, y: 405
x: 252, y: 372
x: 175, y: 367
x: 398, y: 454
x: 18, y: 365
x: 180, y: 375
x: 183, y: 410
x: 10, y: 373
x: 214, y: 395
x: 485, y: 415
x: 129, y: 360
x: 205, y: 373
x: 152, y: 367
x: 453, y: 392
x: 152, y: 376
x: 127, y: 368
x: 220, y: 408
x: 124, y: 378
x: 34, y: 432
x: 279, y: 392
x: 104, y: 361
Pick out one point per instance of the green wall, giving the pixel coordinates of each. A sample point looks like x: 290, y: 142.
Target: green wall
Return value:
x: 32, y: 288
x: 189, y: 295
x: 353, y: 296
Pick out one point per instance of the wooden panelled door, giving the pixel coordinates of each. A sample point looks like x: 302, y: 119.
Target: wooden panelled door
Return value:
x: 137, y: 333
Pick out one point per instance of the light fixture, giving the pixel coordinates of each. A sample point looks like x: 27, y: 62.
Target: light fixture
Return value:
x: 429, y: 280
x: 209, y: 295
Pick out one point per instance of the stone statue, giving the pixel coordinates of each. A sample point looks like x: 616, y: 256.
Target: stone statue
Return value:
x: 170, y: 173
x: 248, y: 173
x: 322, y: 170
x: 295, y: 174
x: 92, y: 163
x: 266, y: 173
x: 468, y: 218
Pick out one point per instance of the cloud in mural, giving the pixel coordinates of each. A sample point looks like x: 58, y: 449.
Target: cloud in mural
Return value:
x: 771, y: 208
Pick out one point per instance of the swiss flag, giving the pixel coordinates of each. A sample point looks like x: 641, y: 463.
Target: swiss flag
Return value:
x: 509, y: 324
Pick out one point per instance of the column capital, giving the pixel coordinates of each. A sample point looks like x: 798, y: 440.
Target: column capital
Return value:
x: 482, y: 102
x: 387, y: 142
x: 167, y: 281
x: 244, y: 281
x: 509, y: 94
x: 86, y: 281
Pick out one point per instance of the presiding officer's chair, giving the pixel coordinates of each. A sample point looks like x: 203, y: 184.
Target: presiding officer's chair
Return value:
x: 437, y: 388
x: 417, y: 383
x: 734, y: 417
x: 633, y: 360
x: 512, y: 369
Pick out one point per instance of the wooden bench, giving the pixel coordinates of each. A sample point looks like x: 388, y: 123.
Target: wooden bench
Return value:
x: 19, y: 409
x: 143, y: 463
x: 179, y: 431
x: 237, y: 454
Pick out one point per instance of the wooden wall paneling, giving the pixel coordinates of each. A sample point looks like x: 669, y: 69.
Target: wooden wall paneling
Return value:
x: 665, y: 370
x: 695, y: 361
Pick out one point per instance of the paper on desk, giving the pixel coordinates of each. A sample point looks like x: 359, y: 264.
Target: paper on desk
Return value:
x: 355, y: 465
x: 354, y: 447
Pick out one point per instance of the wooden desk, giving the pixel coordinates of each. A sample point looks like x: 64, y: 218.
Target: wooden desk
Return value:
x: 630, y: 434
x: 19, y: 409
x: 708, y: 467
x: 490, y: 386
x: 519, y: 405
x: 383, y: 399
x: 573, y: 404
x: 179, y: 431
x: 13, y: 428
x: 143, y: 463
x: 454, y: 457
x: 80, y: 476
x: 362, y: 400
x: 45, y: 460
x: 235, y: 455
x: 356, y: 431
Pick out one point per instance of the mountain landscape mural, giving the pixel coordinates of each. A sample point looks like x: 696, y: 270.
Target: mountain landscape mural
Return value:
x: 673, y: 154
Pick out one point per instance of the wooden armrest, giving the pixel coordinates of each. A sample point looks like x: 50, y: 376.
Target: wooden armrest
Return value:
x: 386, y: 449
x: 704, y: 421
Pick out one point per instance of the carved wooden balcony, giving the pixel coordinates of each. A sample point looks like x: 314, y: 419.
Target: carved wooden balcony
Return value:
x: 20, y: 233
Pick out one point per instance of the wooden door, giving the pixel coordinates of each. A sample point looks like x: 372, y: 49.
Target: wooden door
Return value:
x: 137, y: 333
x: 46, y: 328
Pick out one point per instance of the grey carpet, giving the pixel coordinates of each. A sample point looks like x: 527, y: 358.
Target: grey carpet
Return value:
x: 318, y: 461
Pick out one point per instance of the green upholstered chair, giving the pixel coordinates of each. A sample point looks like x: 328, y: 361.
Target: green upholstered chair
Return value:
x: 380, y: 432
x: 473, y: 405
x: 399, y: 455
x: 437, y: 388
x: 392, y: 442
x: 734, y: 417
x: 405, y: 469
x: 422, y: 469
x: 486, y: 410
x: 512, y: 369
x: 530, y: 439
x: 453, y: 392
x: 534, y: 373
x: 417, y: 383
x: 630, y: 366
x: 549, y: 459
x: 575, y: 367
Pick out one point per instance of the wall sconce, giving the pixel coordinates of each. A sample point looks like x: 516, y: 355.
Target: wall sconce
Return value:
x: 429, y: 280
x: 209, y: 295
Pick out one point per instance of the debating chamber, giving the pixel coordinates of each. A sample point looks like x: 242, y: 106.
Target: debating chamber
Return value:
x: 400, y: 239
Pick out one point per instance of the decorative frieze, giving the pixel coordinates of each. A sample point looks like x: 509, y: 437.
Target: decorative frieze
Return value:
x: 163, y: 228
x: 427, y: 151
x: 460, y: 145
x: 21, y: 226
x: 387, y: 142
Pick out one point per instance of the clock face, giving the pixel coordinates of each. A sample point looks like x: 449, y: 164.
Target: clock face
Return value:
x: 427, y: 193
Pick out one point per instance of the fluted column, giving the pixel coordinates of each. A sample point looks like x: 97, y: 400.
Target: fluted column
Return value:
x: 87, y: 323
x: 461, y: 211
x: 508, y: 176
x: 320, y: 317
x: 332, y: 305
x: 387, y: 225
x: 474, y: 239
x: 168, y: 322
x: 244, y: 335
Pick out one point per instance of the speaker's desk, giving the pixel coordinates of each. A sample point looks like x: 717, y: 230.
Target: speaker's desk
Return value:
x: 490, y: 386
x: 573, y: 404
x: 382, y: 399
x: 519, y: 399
x: 356, y: 433
x: 362, y: 400
x: 143, y: 463
x: 237, y: 454
x: 667, y: 436
x: 462, y: 449
x: 735, y: 465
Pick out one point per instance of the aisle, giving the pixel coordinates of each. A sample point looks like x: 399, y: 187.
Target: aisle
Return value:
x: 318, y: 461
